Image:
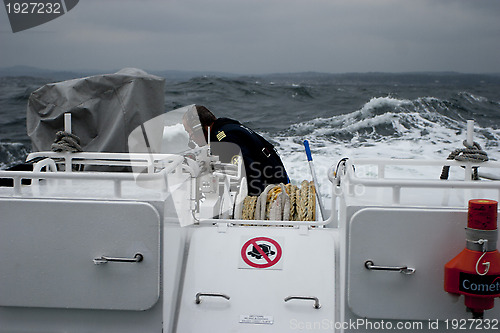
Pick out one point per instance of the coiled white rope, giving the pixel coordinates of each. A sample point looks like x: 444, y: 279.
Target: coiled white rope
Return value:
x: 282, y: 203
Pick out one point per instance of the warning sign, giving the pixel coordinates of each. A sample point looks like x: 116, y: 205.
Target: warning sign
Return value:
x: 261, y: 252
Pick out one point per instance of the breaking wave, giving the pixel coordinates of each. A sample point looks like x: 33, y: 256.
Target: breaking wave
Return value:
x: 362, y: 115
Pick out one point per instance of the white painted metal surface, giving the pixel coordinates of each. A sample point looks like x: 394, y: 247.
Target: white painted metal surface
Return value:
x: 53, y: 228
x: 49, y: 248
x: 423, y: 239
x: 218, y: 263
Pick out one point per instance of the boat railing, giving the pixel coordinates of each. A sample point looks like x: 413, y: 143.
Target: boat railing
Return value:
x: 151, y: 161
x: 154, y: 167
x: 350, y: 177
x: 267, y: 223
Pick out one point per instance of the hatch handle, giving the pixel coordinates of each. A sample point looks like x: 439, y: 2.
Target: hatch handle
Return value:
x: 138, y: 257
x: 402, y: 269
x: 312, y: 298
x: 198, y: 296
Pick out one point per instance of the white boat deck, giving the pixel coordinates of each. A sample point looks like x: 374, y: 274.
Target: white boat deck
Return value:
x: 200, y: 271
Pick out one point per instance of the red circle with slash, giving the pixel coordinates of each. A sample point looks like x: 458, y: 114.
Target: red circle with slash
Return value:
x: 268, y: 262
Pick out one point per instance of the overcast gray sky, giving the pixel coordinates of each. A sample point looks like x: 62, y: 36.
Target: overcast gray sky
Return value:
x: 264, y: 36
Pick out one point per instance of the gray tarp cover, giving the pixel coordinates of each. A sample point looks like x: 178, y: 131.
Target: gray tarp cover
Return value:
x: 104, y: 109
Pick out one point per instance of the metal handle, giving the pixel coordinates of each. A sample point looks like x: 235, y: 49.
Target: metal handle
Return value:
x: 311, y: 298
x: 104, y: 259
x: 198, y: 295
x: 402, y: 269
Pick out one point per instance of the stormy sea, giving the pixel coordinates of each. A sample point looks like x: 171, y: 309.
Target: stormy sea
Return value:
x: 371, y: 115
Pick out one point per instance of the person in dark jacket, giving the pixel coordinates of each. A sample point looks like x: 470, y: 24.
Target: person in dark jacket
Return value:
x: 263, y: 166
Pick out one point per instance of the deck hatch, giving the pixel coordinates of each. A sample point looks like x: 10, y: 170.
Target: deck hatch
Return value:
x: 404, y: 238
x: 56, y: 241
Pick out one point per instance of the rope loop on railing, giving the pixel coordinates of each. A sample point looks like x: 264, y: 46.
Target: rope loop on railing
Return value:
x: 66, y: 142
x: 471, y: 153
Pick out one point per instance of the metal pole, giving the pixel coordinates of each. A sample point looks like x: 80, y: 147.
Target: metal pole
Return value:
x: 313, y: 173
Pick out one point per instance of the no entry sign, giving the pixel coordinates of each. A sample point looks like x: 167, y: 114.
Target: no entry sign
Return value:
x: 261, y: 252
